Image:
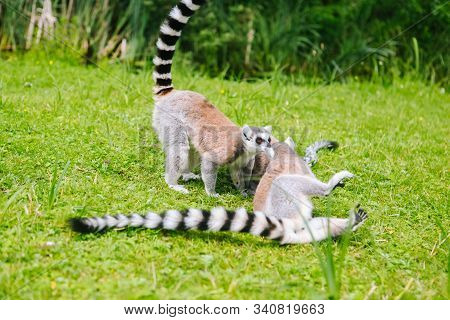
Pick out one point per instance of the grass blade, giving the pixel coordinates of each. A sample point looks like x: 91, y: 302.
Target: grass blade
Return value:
x: 13, y: 198
x: 56, y: 184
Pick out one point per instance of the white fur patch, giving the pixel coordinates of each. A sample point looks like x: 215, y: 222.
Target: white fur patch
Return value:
x: 92, y: 222
x: 110, y: 221
x: 101, y: 224
x: 166, y: 29
x: 239, y: 220
x: 176, y: 187
x: 123, y: 221
x: 217, y: 219
x: 259, y: 224
x: 152, y: 220
x: 158, y: 61
x: 278, y: 231
x: 289, y: 232
x: 190, y: 176
x: 136, y: 220
x: 190, y: 5
x: 289, y: 225
x: 172, y: 219
x: 194, y: 218
x: 292, y: 238
x: 157, y: 75
x: 162, y: 46
x: 177, y: 15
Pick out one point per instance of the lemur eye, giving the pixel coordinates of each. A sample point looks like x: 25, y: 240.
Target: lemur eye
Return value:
x: 269, y: 140
x: 259, y: 140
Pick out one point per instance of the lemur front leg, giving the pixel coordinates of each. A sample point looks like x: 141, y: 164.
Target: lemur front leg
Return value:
x: 241, y: 175
x: 209, y: 176
x: 247, y: 175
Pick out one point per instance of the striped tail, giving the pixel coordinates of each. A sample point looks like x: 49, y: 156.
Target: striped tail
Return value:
x: 311, y: 151
x: 170, y: 32
x: 218, y: 219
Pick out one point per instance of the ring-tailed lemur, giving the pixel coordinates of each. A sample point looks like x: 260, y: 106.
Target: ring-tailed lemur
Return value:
x: 262, y: 161
x: 285, y: 190
x: 282, y: 207
x: 190, y: 128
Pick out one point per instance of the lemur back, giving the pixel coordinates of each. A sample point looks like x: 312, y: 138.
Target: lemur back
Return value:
x: 206, y: 127
x: 190, y: 128
x: 286, y: 161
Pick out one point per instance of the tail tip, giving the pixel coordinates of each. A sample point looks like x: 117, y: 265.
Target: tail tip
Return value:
x: 78, y: 225
x: 332, y: 145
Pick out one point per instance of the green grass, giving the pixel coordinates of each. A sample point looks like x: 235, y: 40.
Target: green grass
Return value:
x: 75, y: 142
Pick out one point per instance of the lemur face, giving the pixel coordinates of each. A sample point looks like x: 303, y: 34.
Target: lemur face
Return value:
x: 257, y: 139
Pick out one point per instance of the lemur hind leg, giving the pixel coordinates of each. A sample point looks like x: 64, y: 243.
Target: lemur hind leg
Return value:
x: 209, y: 176
x: 176, y: 148
x: 320, y: 228
x: 299, y: 184
x: 194, y: 161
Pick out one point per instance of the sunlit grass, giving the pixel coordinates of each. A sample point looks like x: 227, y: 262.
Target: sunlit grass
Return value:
x: 74, y: 141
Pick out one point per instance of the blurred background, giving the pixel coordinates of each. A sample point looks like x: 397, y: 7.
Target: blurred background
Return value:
x: 315, y: 39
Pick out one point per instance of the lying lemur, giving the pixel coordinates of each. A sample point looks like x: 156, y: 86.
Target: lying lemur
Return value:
x: 284, y: 193
x: 190, y: 128
x: 262, y: 161
x: 283, y: 209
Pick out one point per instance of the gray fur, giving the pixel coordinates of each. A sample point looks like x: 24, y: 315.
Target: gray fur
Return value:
x: 182, y: 156
x: 287, y: 231
x: 311, y: 151
x: 289, y: 196
x: 191, y: 128
x: 209, y: 176
x: 310, y: 159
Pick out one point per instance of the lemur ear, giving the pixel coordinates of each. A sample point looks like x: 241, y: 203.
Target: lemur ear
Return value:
x: 268, y: 128
x: 247, y: 132
x: 290, y: 142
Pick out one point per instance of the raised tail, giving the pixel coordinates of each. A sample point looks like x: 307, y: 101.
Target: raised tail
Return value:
x: 218, y: 219
x: 170, y: 32
x: 311, y: 151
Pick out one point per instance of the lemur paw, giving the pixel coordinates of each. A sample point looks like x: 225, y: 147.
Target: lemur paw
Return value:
x: 212, y: 194
x: 179, y: 188
x: 190, y: 176
x: 359, y: 216
x: 344, y: 175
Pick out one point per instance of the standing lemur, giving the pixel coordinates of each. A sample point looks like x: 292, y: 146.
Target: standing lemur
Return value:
x: 283, y: 209
x: 190, y: 128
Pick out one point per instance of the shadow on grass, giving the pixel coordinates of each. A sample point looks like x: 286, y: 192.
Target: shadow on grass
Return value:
x: 206, y: 236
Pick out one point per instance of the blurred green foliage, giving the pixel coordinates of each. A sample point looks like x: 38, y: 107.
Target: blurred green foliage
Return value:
x: 316, y: 38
